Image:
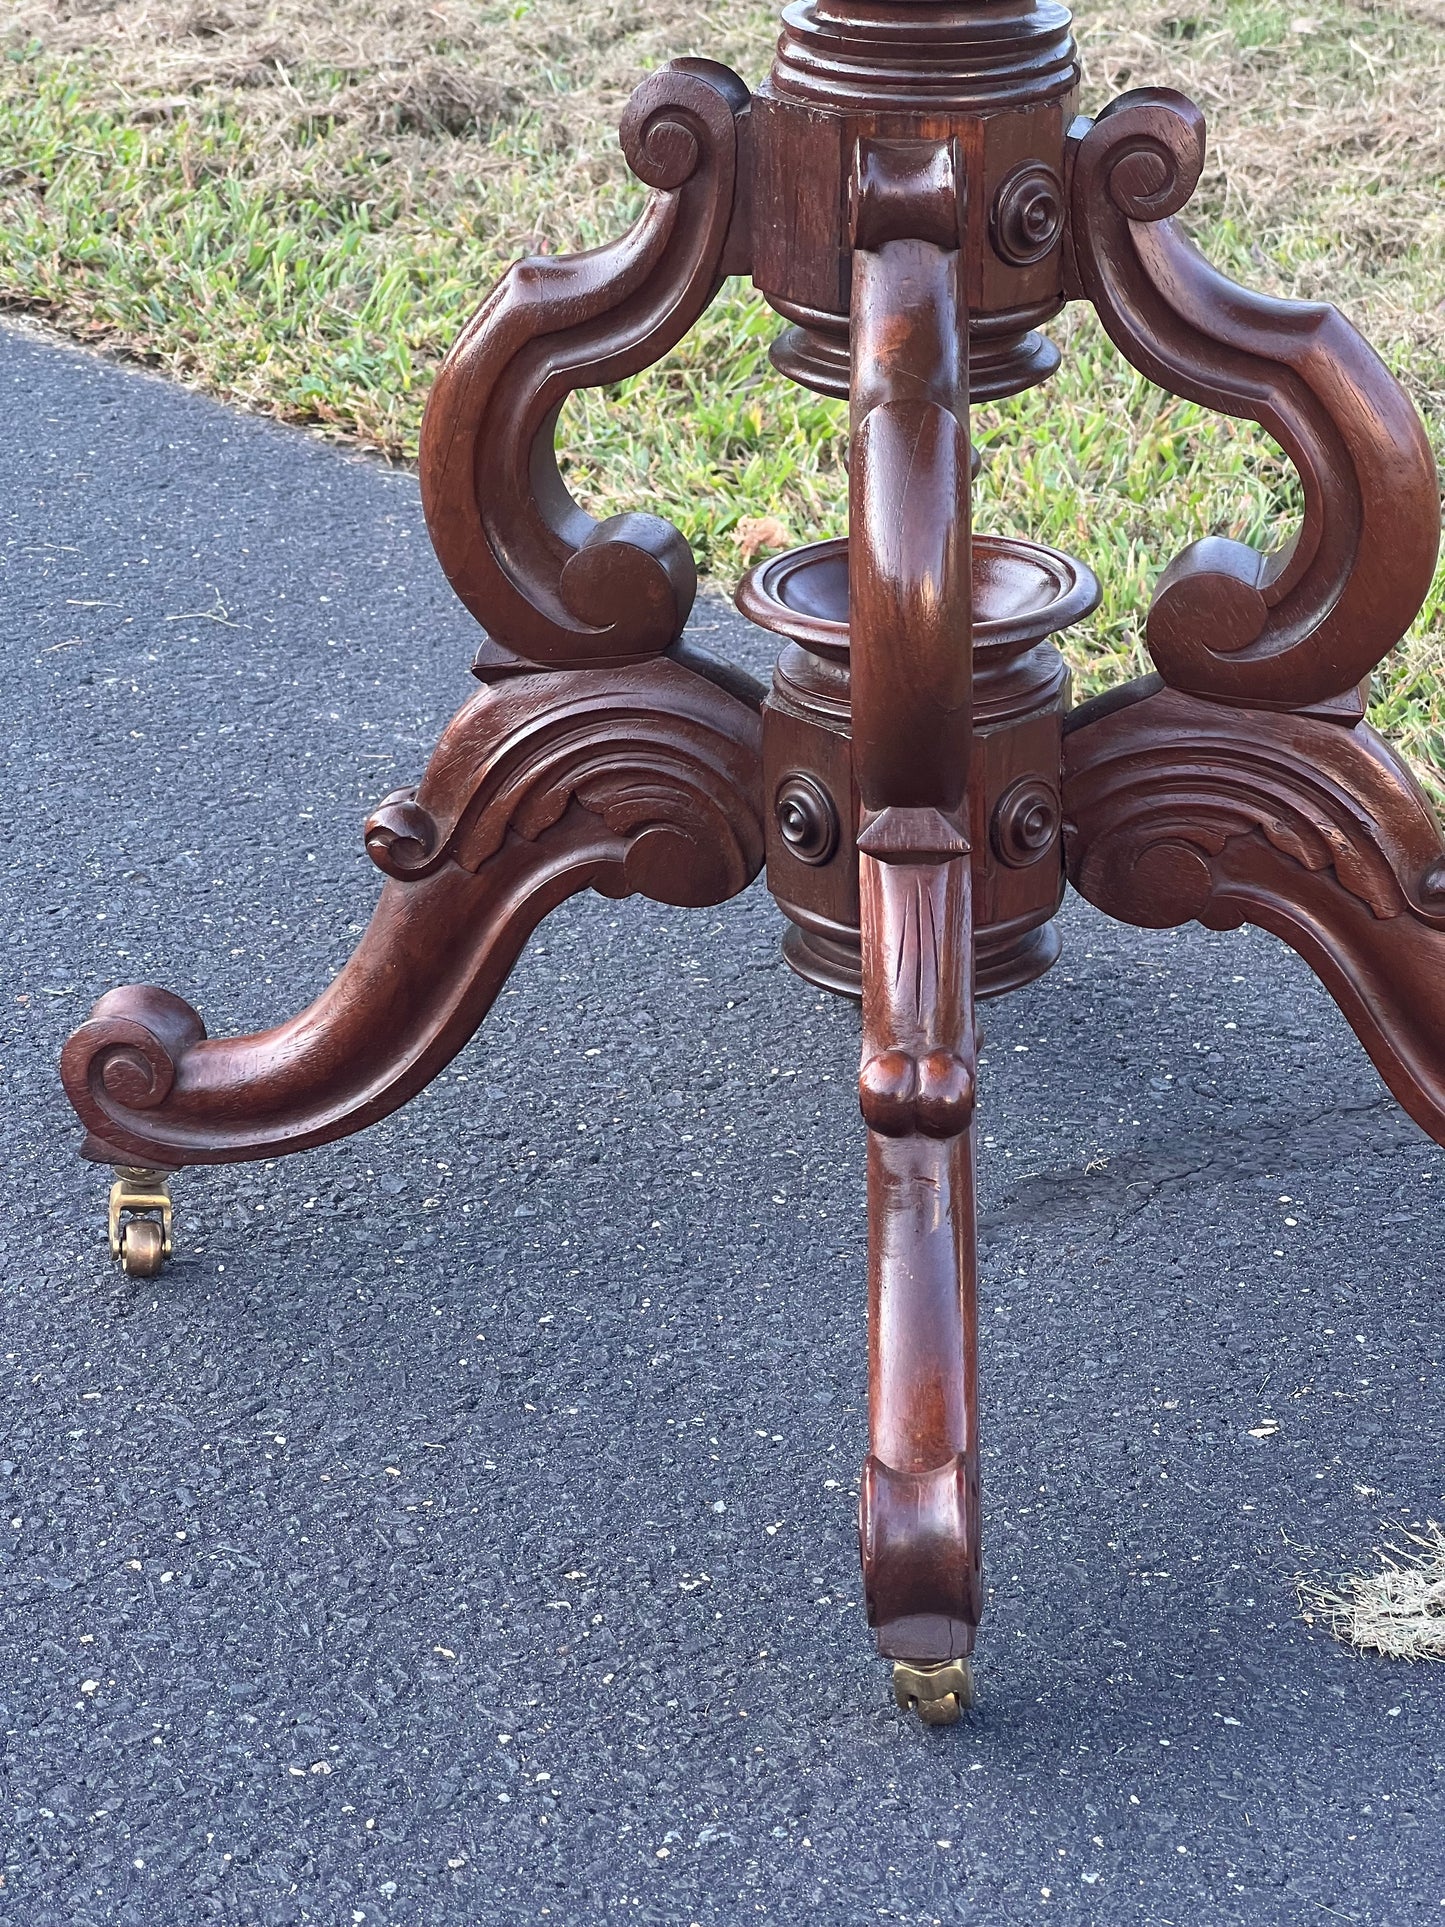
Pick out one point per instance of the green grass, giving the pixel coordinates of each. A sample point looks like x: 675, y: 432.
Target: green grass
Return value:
x: 304, y: 267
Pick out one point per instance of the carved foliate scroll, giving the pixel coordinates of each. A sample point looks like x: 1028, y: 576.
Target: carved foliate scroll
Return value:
x: 642, y: 780
x: 1298, y: 627
x: 548, y: 583
x: 1176, y: 810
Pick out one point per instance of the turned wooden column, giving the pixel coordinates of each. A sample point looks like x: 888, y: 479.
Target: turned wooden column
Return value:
x: 999, y: 81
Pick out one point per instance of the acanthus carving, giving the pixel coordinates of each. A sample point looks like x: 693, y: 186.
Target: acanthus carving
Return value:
x: 548, y: 583
x: 1178, y: 811
x: 638, y: 780
x: 917, y: 1076
x: 658, y: 754
x: 1303, y: 625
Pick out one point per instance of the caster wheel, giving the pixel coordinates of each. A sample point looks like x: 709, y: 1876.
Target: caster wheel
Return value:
x: 140, y: 1221
x: 937, y: 1692
x: 142, y: 1248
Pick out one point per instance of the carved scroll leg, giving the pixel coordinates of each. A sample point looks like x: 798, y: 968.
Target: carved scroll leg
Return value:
x: 910, y: 639
x: 631, y: 780
x: 1177, y: 809
x: 919, y: 1502
x: 1295, y: 628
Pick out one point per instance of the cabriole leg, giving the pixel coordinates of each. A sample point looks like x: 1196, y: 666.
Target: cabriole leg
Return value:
x: 912, y: 735
x: 607, y: 755
x: 640, y: 780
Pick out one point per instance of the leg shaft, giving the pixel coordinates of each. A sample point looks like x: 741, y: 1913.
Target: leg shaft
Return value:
x: 919, y: 1499
x: 910, y: 640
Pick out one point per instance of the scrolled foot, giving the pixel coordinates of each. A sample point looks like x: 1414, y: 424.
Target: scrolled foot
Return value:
x: 937, y: 1693
x: 140, y: 1220
x: 640, y: 780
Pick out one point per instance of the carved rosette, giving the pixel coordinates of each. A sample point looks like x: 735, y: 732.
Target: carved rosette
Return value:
x: 1027, y: 216
x: 549, y: 584
x: 807, y: 819
x: 1025, y: 822
x: 1306, y: 624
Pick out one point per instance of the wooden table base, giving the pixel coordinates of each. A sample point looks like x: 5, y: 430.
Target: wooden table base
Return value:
x: 912, y: 193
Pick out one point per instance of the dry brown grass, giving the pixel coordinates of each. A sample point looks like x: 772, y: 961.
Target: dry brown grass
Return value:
x: 1398, y: 1611
x: 1327, y: 151
x: 421, y: 76
x: 1328, y: 136
x: 1327, y: 126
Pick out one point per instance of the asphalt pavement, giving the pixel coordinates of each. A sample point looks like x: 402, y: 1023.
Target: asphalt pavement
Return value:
x: 461, y: 1530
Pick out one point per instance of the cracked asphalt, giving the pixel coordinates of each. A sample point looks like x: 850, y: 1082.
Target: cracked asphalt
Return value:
x: 461, y: 1529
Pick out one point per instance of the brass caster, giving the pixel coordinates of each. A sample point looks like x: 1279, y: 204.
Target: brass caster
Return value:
x: 140, y: 1220
x: 937, y: 1691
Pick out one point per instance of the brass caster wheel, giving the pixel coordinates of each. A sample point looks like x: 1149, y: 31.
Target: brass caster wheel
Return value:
x: 936, y: 1691
x: 142, y: 1248
x: 140, y: 1221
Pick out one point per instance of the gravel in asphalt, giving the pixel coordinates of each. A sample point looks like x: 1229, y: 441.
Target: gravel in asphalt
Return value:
x: 461, y: 1529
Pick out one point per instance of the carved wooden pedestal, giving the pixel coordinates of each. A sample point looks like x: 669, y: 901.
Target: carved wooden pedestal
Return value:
x: 912, y: 193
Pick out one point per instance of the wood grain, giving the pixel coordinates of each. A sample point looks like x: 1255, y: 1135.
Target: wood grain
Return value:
x: 910, y: 601
x: 906, y: 197
x: 548, y: 583
x: 1179, y: 810
x: 1308, y: 622
x: 640, y: 780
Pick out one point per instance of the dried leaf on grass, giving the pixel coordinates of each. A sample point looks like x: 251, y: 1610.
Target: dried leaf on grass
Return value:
x: 755, y: 532
x: 1398, y: 1611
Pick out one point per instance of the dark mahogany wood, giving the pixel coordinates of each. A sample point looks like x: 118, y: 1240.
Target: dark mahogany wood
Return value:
x: 1022, y: 594
x: 912, y: 193
x: 918, y: 1505
x: 1000, y: 78
x: 911, y: 668
x: 1181, y: 810
x: 627, y: 780
x: 1274, y: 631
x: 549, y: 584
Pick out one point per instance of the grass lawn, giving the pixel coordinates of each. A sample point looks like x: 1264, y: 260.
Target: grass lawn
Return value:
x: 295, y: 204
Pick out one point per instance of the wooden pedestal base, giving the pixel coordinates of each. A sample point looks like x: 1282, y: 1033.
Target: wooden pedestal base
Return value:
x: 911, y: 191
x: 1021, y: 595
